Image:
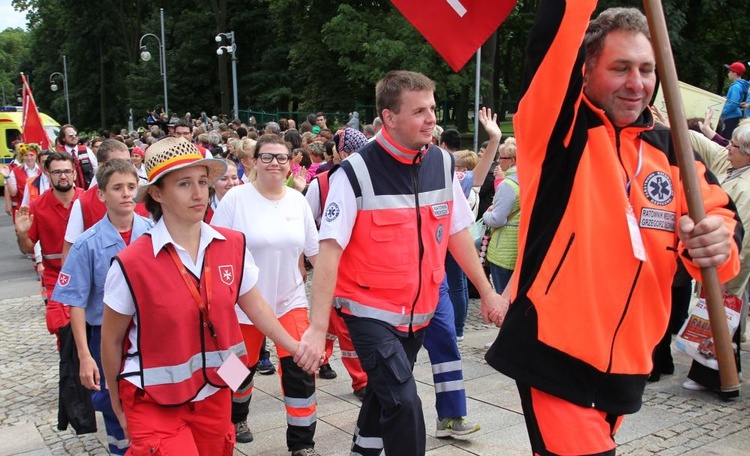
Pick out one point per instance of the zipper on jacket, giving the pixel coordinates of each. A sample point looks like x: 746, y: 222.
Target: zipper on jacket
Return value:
x: 415, y: 180
x: 562, y: 260
x: 622, y: 317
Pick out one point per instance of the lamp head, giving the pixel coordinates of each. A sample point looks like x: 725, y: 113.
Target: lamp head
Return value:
x: 53, y: 87
x: 220, y: 51
x: 145, y: 55
x: 218, y: 38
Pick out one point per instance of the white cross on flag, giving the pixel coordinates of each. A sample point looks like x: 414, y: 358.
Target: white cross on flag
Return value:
x: 455, y: 28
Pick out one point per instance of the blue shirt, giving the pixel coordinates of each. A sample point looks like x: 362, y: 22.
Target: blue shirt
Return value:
x: 81, y: 280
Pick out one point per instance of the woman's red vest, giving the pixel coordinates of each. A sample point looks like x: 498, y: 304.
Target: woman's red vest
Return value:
x: 178, y: 354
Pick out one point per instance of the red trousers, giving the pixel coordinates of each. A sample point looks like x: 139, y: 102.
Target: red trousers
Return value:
x: 337, y: 329
x: 559, y: 427
x: 200, y: 428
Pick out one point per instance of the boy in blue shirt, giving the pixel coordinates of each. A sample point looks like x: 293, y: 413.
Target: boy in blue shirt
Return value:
x: 81, y: 282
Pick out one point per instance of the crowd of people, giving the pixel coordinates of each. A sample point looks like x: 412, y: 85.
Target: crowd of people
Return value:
x: 582, y: 231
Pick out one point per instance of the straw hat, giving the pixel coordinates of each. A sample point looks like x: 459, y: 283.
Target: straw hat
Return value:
x: 171, y: 154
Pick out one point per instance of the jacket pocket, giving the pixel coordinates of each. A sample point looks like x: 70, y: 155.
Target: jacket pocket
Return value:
x: 560, y: 263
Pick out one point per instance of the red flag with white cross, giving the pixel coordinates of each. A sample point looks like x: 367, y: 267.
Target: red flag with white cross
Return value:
x: 455, y: 28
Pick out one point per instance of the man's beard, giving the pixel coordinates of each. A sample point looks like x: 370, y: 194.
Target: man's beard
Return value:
x: 62, y: 188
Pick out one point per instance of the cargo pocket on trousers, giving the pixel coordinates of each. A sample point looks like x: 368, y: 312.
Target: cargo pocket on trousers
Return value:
x: 229, y: 444
x: 396, y: 363
x: 150, y: 447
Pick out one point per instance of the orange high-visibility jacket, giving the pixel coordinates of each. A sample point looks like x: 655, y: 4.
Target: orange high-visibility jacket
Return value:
x: 585, y: 313
x: 394, y: 263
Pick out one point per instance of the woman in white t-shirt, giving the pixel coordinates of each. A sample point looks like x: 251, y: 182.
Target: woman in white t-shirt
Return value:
x: 170, y: 301
x: 279, y: 227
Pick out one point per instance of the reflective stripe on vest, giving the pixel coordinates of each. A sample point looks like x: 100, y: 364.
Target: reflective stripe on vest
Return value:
x: 370, y: 201
x: 392, y: 318
x: 181, y: 372
x: 53, y: 256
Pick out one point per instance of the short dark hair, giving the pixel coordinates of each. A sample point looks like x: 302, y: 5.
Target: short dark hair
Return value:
x: 115, y: 166
x: 268, y: 138
x: 388, y: 90
x: 183, y: 123
x: 452, y: 139
x: 59, y: 156
x: 608, y: 21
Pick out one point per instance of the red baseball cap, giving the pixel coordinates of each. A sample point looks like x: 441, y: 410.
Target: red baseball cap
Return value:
x: 736, y: 67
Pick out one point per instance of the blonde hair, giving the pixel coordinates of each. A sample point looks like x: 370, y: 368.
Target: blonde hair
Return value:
x: 244, y: 148
x: 508, y: 148
x: 466, y: 159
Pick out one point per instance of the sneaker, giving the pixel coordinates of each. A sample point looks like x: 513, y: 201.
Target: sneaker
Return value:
x: 327, y: 372
x: 450, y: 427
x: 693, y: 386
x: 305, y: 452
x: 459, y: 338
x: 265, y: 367
x: 360, y: 393
x: 242, y: 432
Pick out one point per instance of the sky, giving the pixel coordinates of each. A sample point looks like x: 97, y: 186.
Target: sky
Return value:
x: 10, y: 17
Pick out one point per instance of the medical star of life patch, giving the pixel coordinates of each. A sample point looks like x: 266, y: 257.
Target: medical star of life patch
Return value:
x: 63, y: 279
x: 658, y: 188
x: 332, y: 212
x: 439, y: 234
x: 658, y: 219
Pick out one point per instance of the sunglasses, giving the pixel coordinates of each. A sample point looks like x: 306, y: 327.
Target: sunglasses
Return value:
x: 72, y: 135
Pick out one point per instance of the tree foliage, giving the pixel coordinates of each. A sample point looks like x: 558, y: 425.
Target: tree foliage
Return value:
x: 305, y: 55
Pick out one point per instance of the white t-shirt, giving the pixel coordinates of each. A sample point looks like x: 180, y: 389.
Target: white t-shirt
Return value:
x: 277, y: 233
x: 313, y: 199
x: 117, y: 294
x: 75, y: 222
x: 341, y: 210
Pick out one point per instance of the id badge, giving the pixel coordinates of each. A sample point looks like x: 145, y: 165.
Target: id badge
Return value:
x: 639, y: 251
x: 233, y: 372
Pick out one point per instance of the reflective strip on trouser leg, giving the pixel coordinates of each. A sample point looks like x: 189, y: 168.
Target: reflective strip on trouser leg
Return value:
x: 298, y: 389
x: 370, y: 444
x: 253, y: 339
x: 392, y: 409
x: 447, y: 372
x: 348, y: 355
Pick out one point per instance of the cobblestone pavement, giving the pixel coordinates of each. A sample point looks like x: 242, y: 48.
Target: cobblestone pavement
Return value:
x: 673, y: 421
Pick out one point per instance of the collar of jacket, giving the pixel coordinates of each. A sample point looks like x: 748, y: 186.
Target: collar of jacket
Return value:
x: 645, y: 121
x: 397, y: 151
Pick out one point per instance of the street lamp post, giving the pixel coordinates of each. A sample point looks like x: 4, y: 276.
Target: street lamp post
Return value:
x: 146, y: 56
x: 233, y: 49
x: 64, y: 76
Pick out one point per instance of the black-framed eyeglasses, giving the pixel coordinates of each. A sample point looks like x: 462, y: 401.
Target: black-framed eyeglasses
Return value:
x: 60, y: 172
x: 268, y: 158
x: 505, y: 158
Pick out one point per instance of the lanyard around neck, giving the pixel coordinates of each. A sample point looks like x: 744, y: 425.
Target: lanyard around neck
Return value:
x: 203, y: 307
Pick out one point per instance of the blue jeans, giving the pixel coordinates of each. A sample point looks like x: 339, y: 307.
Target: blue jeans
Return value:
x: 458, y: 291
x: 115, y: 435
x: 500, y: 277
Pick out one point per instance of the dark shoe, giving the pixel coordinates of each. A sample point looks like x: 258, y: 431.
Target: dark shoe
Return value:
x: 327, y: 372
x: 360, y: 393
x: 242, y: 432
x: 266, y: 367
x: 306, y: 452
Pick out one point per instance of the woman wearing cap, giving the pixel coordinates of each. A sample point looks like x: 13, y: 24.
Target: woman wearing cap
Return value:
x: 170, y: 309
x: 137, y: 155
x: 279, y: 227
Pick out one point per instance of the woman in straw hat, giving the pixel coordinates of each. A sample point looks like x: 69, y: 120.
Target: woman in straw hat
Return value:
x: 170, y: 333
